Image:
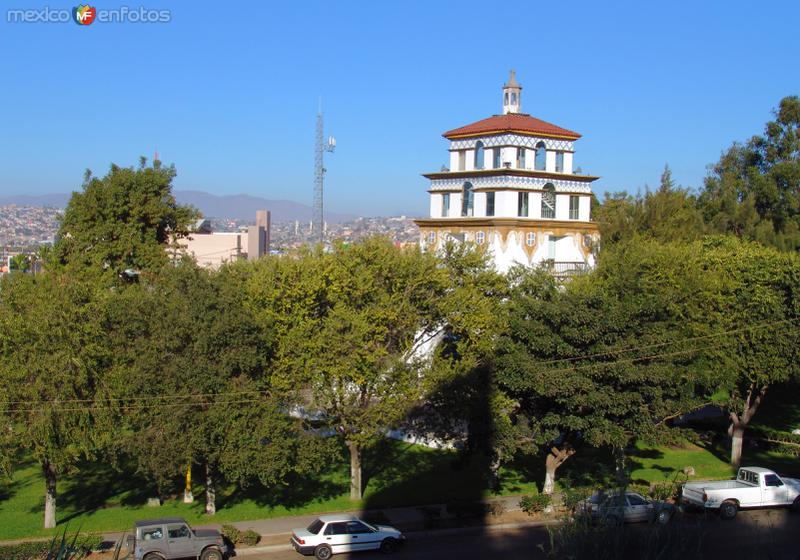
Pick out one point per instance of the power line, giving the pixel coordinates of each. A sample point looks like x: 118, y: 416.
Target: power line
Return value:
x: 660, y: 344
x: 162, y: 397
x: 130, y: 407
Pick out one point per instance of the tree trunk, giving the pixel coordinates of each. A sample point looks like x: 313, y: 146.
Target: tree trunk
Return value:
x: 211, y: 494
x: 49, y: 472
x: 555, y: 458
x: 740, y: 423
x: 737, y: 437
x: 494, y: 472
x: 355, y: 470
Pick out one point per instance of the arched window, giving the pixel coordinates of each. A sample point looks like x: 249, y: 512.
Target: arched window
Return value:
x: 513, y: 98
x: 480, y: 237
x: 540, y: 161
x: 505, y: 100
x: 467, y: 200
x: 478, y: 155
x: 549, y: 201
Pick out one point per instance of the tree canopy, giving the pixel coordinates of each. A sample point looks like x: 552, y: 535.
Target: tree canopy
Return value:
x: 124, y: 220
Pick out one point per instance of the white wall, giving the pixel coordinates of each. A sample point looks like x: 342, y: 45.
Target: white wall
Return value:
x: 436, y: 205
x: 470, y: 160
x: 562, y: 206
x: 505, y: 204
x: 568, y: 162
x: 535, y: 202
x: 550, y: 161
x: 585, y: 208
x: 454, y: 161
x: 479, y: 208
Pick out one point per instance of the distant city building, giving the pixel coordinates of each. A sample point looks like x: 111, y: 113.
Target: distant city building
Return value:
x: 511, y: 188
x: 213, y: 249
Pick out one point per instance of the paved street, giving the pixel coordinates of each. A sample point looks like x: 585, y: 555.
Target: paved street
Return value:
x: 753, y: 535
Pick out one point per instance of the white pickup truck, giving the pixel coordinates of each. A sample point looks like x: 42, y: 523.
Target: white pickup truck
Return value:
x: 753, y: 487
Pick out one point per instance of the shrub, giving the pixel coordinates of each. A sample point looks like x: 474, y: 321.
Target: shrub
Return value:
x: 24, y: 551
x: 91, y: 541
x: 573, y: 496
x: 231, y: 533
x: 535, y: 503
x: 495, y: 509
x: 250, y: 537
x: 664, y: 490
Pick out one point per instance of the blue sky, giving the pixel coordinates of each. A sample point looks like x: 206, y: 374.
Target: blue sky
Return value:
x: 228, y: 91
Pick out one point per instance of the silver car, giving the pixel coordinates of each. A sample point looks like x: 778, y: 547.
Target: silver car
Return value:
x: 629, y: 507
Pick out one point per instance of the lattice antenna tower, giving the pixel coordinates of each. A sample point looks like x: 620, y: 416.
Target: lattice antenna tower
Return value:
x: 318, y: 222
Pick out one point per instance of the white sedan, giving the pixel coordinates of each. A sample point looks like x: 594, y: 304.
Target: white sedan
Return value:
x: 629, y: 508
x: 332, y: 534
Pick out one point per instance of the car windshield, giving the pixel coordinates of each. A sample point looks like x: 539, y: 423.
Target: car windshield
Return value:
x: 315, y: 527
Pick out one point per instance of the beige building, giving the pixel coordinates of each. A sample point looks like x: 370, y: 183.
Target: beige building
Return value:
x: 212, y: 250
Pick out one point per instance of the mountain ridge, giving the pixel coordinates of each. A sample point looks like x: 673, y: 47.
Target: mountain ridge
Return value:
x: 234, y: 206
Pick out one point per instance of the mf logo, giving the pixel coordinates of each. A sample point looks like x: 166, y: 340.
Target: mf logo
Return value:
x: 84, y: 15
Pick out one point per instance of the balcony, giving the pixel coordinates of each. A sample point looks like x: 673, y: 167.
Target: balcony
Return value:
x: 565, y: 269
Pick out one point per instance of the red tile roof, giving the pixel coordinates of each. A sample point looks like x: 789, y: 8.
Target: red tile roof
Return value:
x: 512, y: 122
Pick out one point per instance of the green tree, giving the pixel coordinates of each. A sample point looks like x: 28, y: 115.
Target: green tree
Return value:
x: 21, y: 262
x: 350, y: 324
x: 602, y: 360
x: 754, y: 189
x: 125, y: 220
x: 190, y: 374
x: 754, y: 310
x: 668, y: 214
x: 51, y: 354
x: 462, y: 401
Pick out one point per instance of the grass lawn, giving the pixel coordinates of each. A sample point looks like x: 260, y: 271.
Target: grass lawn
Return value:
x: 98, y: 498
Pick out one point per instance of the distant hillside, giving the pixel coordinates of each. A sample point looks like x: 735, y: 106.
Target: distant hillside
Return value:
x: 244, y: 206
x: 56, y: 200
x: 237, y: 207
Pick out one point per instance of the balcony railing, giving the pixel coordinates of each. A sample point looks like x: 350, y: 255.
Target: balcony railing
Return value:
x: 565, y: 269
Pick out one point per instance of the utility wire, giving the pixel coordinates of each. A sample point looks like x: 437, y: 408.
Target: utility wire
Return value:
x: 128, y: 407
x: 660, y: 344
x: 153, y: 397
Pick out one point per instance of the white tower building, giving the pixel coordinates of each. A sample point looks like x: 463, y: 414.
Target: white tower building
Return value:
x: 511, y: 188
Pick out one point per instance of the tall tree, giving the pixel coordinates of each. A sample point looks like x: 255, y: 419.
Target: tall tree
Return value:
x: 190, y: 376
x: 51, y: 354
x: 754, y: 312
x: 125, y: 220
x: 350, y: 323
x: 668, y: 214
x: 754, y: 189
x: 601, y: 360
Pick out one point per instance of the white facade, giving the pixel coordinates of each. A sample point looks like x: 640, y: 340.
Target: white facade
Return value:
x: 524, y: 203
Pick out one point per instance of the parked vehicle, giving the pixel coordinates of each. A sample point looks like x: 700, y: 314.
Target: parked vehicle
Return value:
x: 331, y: 534
x: 171, y: 537
x: 629, y: 507
x: 753, y: 487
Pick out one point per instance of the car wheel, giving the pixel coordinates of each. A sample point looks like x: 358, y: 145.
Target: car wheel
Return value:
x: 728, y: 510
x: 323, y: 552
x: 663, y: 517
x: 211, y: 554
x: 389, y: 546
x: 153, y: 556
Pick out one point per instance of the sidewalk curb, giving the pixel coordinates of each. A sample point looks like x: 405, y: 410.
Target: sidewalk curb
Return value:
x: 411, y: 536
